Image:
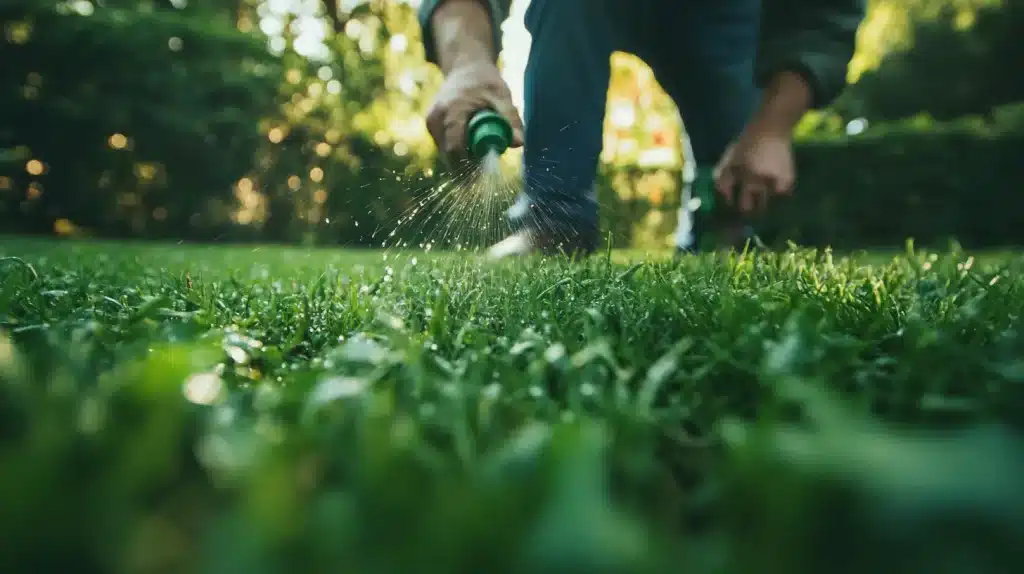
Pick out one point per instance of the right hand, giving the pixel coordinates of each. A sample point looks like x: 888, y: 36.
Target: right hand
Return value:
x: 467, y: 89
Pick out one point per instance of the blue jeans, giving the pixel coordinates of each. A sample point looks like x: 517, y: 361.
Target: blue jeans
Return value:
x: 701, y: 51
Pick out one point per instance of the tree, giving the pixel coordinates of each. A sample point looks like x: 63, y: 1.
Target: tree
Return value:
x: 960, y: 61
x: 127, y: 117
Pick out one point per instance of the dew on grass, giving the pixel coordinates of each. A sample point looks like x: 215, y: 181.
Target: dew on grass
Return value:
x: 492, y: 391
x: 334, y: 388
x: 204, y: 388
x: 238, y: 355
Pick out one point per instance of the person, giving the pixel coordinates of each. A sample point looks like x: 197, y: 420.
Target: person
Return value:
x: 742, y: 75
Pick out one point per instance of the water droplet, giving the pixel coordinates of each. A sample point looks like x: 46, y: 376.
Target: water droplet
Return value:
x: 492, y: 391
x: 204, y: 388
x: 238, y: 355
x: 334, y: 388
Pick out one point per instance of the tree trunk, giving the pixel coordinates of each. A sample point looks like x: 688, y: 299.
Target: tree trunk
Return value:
x: 335, y: 16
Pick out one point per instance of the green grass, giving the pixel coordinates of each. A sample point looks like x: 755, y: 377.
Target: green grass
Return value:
x: 172, y: 408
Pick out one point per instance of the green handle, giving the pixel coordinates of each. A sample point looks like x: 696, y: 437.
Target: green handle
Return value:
x: 704, y: 189
x: 487, y: 131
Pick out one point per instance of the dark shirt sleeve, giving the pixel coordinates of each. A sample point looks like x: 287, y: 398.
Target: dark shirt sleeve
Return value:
x: 815, y: 38
x: 498, y: 9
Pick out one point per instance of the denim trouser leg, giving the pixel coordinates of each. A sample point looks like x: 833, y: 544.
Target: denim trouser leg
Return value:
x: 709, y: 73
x: 565, y: 94
x: 702, y: 52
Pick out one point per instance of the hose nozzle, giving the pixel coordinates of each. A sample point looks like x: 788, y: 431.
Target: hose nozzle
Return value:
x: 487, y: 131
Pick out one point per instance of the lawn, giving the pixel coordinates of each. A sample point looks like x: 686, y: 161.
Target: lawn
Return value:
x: 173, y: 408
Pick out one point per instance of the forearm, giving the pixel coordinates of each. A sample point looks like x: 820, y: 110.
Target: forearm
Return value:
x: 471, y: 30
x: 462, y: 33
x: 813, y: 38
x: 786, y: 98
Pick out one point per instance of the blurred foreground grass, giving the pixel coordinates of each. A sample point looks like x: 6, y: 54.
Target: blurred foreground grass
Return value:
x: 278, y: 410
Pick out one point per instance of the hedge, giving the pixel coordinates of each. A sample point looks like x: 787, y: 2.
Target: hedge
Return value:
x: 932, y: 182
x: 915, y: 179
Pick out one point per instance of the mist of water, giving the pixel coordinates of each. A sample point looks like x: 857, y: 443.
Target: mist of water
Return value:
x: 467, y: 211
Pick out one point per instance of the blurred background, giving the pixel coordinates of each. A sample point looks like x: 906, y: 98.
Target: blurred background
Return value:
x: 301, y: 121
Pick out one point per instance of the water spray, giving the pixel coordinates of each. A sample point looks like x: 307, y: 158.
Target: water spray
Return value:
x: 469, y: 207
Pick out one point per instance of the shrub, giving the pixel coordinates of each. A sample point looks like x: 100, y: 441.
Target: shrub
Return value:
x: 160, y: 105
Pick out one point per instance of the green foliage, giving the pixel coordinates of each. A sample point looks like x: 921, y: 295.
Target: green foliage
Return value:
x: 934, y: 182
x: 929, y: 181
x: 200, y: 106
x: 169, y: 409
x: 224, y: 139
x: 950, y: 69
x: 368, y: 179
x: 133, y: 112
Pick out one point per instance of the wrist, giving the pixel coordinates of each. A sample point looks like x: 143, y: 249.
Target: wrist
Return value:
x: 462, y: 33
x: 786, y: 98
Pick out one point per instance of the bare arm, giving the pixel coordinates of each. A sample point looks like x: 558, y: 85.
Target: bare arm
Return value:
x: 463, y: 37
x: 805, y: 48
x: 786, y: 98
x: 456, y: 30
x: 462, y: 33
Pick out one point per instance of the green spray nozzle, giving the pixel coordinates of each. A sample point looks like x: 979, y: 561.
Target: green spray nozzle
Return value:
x: 487, y: 131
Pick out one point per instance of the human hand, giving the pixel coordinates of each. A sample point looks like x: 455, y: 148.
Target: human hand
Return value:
x: 467, y: 89
x: 757, y: 166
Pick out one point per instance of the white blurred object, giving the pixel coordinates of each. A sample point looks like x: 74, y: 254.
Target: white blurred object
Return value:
x: 687, y: 203
x: 856, y: 126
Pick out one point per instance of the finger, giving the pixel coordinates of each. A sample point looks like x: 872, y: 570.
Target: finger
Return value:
x: 435, y: 126
x: 771, y: 187
x: 505, y: 107
x: 752, y: 193
x: 786, y: 184
x: 455, y: 136
x: 725, y: 183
